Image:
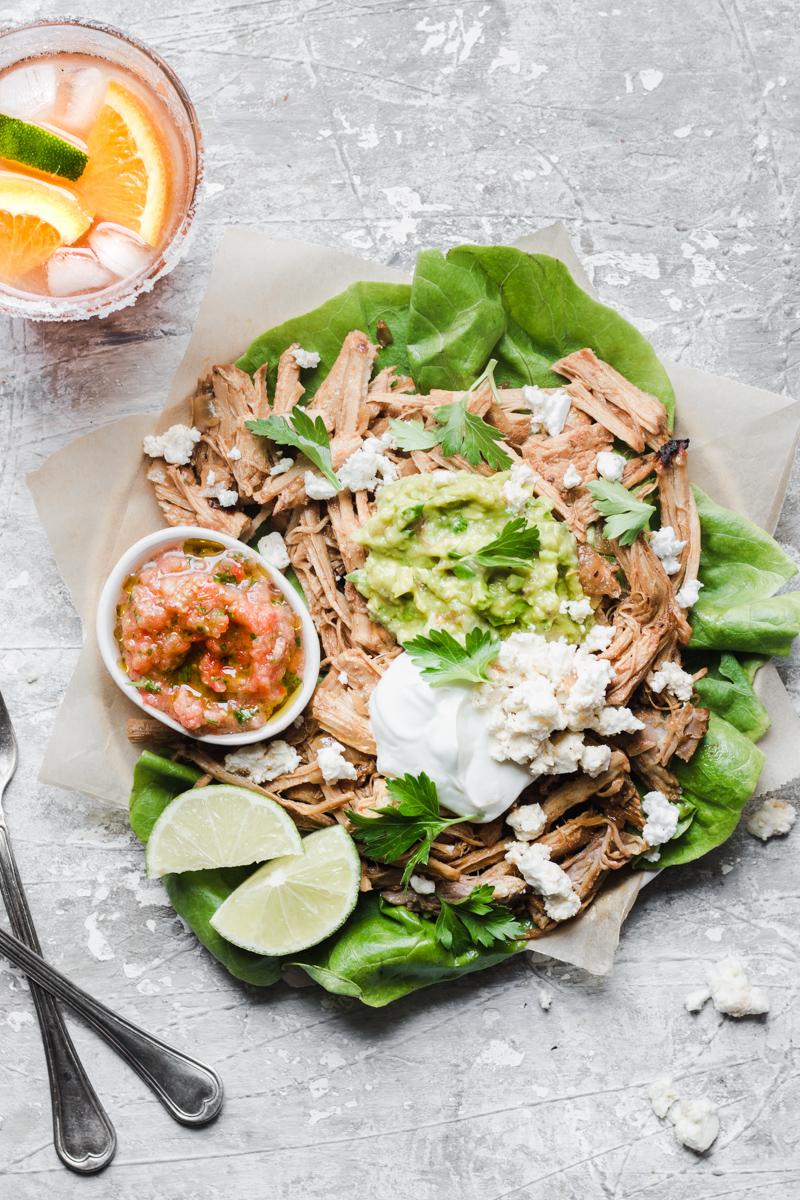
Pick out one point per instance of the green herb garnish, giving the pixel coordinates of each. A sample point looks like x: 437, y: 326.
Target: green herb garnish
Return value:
x: 476, y: 920
x: 243, y: 715
x: 626, y: 515
x: 146, y: 685
x: 393, y: 830
x: 306, y: 434
x: 515, y: 545
x: 225, y: 577
x: 458, y: 430
x: 443, y: 660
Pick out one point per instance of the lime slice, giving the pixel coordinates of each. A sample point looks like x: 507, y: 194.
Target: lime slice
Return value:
x: 219, y: 826
x: 293, y: 903
x: 36, y: 147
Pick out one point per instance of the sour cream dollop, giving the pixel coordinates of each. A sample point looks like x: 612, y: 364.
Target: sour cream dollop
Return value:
x: 440, y: 731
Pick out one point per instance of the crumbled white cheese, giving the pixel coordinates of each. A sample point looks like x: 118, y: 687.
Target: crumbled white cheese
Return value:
x: 572, y: 477
x: 668, y: 547
x: 532, y: 860
x: 234, y: 454
x: 282, y: 466
x: 263, y: 762
x: 367, y: 468
x: 176, y: 445
x: 732, y: 991
x: 662, y: 1095
x: 599, y: 638
x: 595, y: 760
x: 610, y: 465
x: 343, y: 678
x: 545, y: 997
x: 671, y: 677
x: 518, y: 488
x: 332, y: 763
x: 317, y: 487
x: 227, y: 497
x: 695, y: 999
x: 211, y: 478
x: 305, y: 358
x: 662, y: 818
x: 272, y: 549
x: 422, y: 886
x: 771, y: 818
x: 688, y: 594
x: 549, y: 410
x: 541, y: 696
x: 696, y: 1123
x: 527, y: 821
x: 578, y: 610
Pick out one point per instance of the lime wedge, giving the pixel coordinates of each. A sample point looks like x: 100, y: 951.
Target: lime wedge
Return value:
x: 293, y: 903
x: 36, y: 147
x: 219, y: 826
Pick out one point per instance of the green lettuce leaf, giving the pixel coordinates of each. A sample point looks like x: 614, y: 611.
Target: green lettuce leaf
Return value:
x: 727, y: 690
x: 741, y: 568
x: 380, y: 954
x: 360, y: 306
x: 532, y: 308
x: 718, y: 781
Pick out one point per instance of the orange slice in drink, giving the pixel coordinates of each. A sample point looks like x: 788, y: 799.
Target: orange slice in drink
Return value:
x: 126, y: 178
x: 35, y: 219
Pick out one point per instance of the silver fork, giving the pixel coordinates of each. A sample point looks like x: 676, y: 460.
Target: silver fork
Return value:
x: 83, y: 1135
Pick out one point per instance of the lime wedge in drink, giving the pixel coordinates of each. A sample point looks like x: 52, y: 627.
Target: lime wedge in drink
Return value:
x: 293, y: 903
x: 219, y: 826
x: 36, y: 147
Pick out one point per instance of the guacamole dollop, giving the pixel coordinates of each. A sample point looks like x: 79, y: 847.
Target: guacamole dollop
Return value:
x: 424, y: 524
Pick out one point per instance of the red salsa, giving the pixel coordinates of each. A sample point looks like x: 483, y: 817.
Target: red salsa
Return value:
x: 208, y: 639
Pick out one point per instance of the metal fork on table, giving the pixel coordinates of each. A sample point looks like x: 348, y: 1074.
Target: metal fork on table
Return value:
x: 84, y: 1137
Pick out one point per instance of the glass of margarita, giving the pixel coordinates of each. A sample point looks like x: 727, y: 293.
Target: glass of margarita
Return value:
x: 100, y: 162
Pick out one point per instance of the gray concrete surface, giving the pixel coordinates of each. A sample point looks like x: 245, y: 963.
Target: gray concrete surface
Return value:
x: 665, y: 136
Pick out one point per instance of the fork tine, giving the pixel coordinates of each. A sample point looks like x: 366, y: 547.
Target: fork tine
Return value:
x: 8, y: 749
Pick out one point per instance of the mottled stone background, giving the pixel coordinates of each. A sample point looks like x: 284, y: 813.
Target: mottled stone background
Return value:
x: 665, y: 136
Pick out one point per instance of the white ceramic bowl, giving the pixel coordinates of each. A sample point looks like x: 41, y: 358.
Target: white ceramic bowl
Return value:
x: 140, y: 553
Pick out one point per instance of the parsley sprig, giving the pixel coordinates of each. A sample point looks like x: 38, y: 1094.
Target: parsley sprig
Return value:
x: 414, y: 818
x: 515, y: 545
x: 458, y: 431
x: 443, y: 660
x: 307, y: 434
x: 626, y: 515
x: 476, y: 920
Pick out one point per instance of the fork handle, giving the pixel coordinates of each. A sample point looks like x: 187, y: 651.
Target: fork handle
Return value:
x: 83, y: 1136
x: 190, y: 1091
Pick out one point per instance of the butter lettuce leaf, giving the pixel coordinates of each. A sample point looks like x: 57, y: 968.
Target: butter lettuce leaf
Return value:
x: 324, y: 329
x: 728, y: 691
x: 718, y: 781
x: 741, y: 568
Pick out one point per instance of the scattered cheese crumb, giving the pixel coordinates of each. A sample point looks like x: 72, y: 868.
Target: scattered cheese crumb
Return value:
x: 545, y: 999
x: 695, y: 999
x: 598, y: 639
x: 671, y: 677
x: 305, y: 359
x: 668, y: 547
x: 368, y: 467
x: 518, y: 488
x: 610, y: 465
x: 343, y: 678
x: 422, y: 886
x: 317, y: 487
x: 527, y: 821
x: 211, y: 478
x: 662, y: 818
x: 234, y: 454
x: 272, y: 549
x: 263, y: 762
x: 578, y: 610
x: 732, y: 991
x: 695, y: 1122
x: 689, y: 593
x: 771, y: 819
x: 532, y: 860
x: 282, y: 466
x: 176, y: 445
x: 662, y: 1095
x: 549, y: 410
x: 332, y: 763
x: 226, y: 497
x: 572, y: 477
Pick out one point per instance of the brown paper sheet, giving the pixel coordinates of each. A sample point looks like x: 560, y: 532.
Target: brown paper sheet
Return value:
x: 257, y: 283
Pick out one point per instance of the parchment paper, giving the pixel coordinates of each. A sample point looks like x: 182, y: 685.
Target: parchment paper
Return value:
x: 257, y: 283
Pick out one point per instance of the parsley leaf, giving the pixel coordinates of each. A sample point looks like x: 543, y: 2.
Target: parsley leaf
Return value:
x: 515, y: 545
x: 443, y: 660
x: 476, y: 920
x: 300, y: 430
x: 415, y: 818
x: 458, y: 431
x: 627, y: 515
